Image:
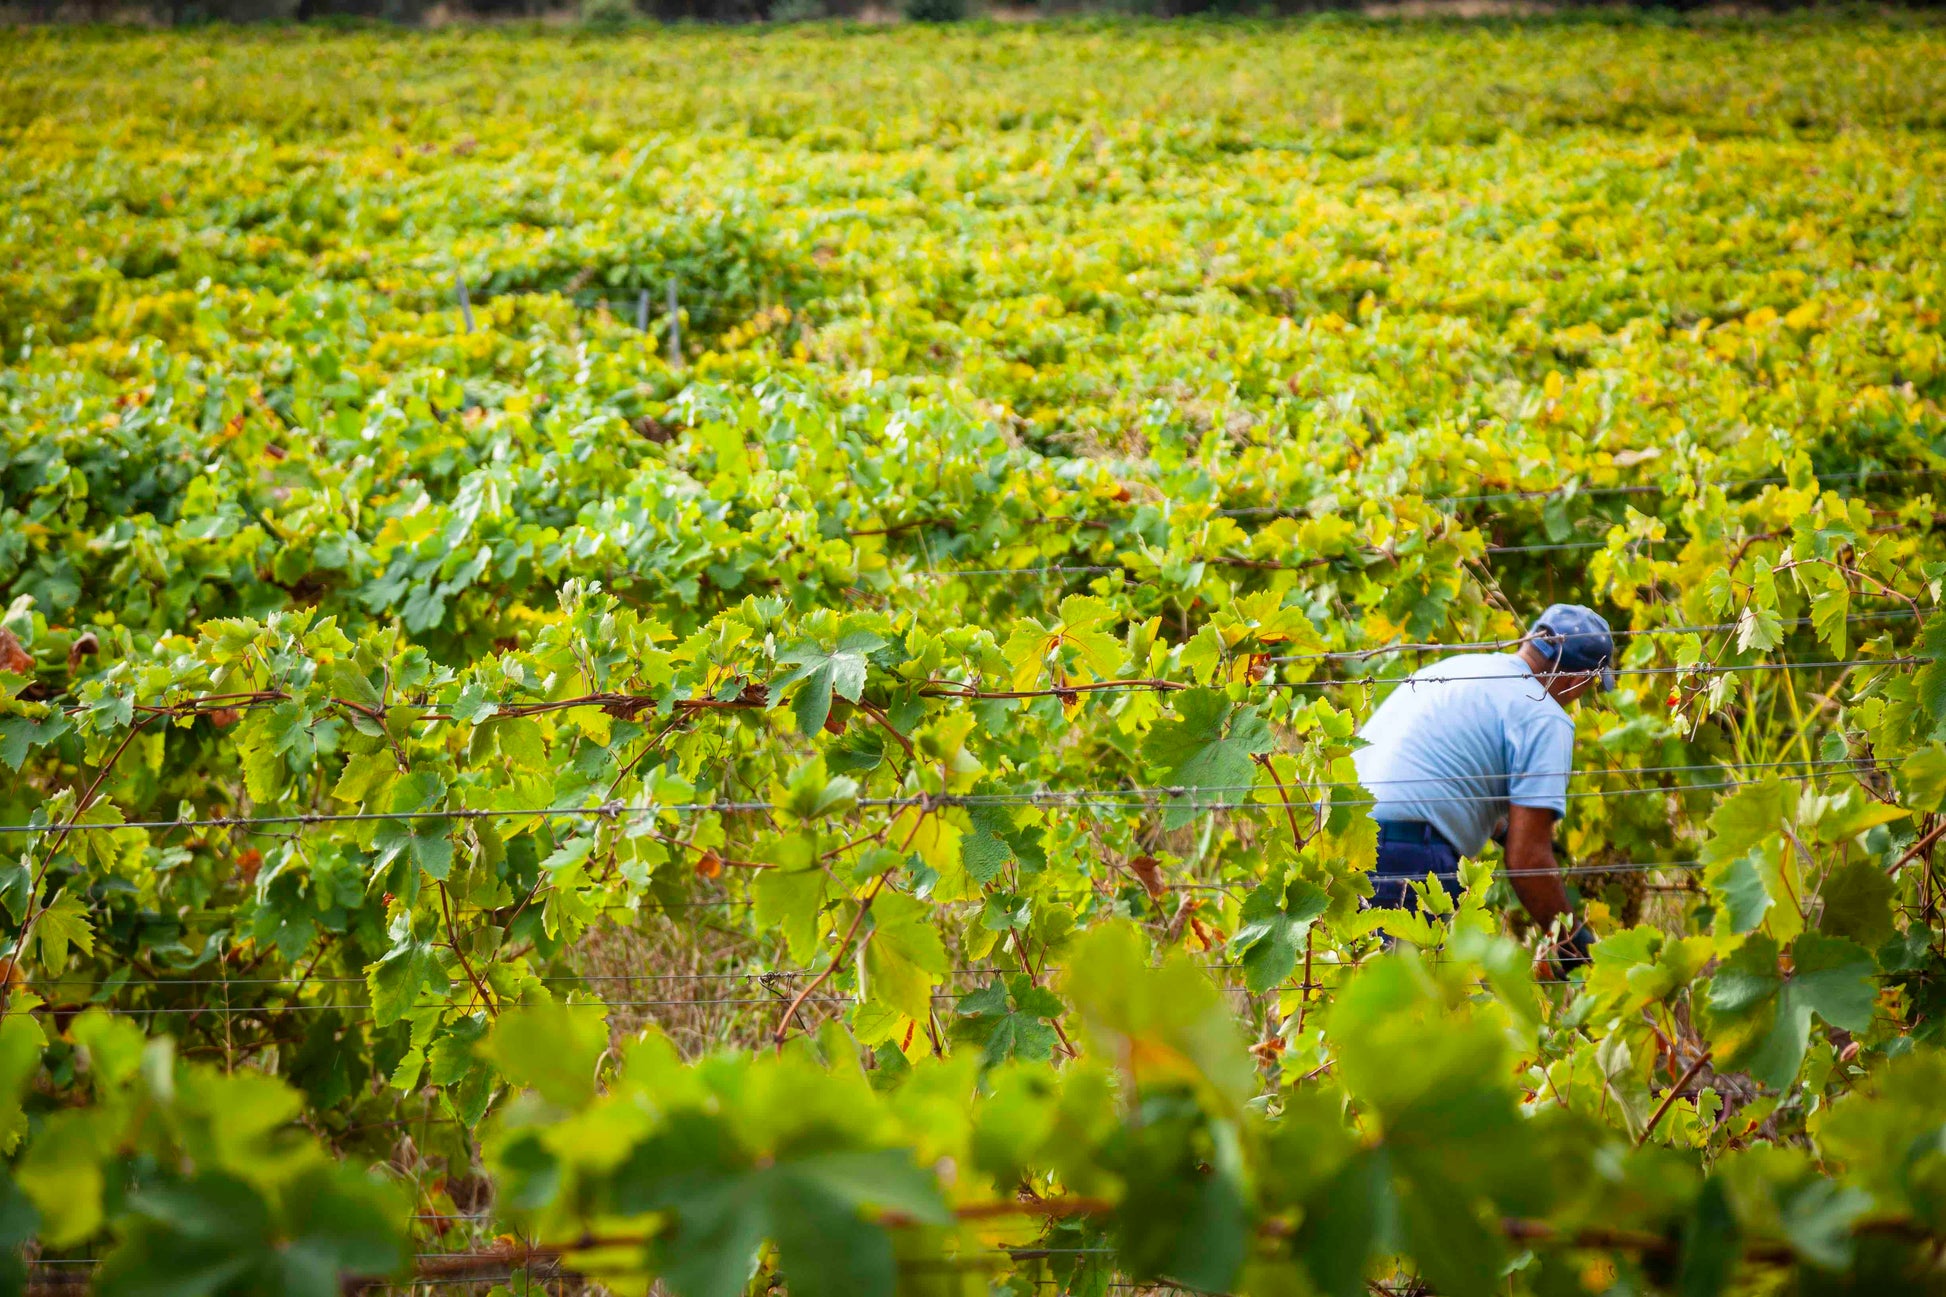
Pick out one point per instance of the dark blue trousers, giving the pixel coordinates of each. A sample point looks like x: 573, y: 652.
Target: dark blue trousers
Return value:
x: 1407, y: 853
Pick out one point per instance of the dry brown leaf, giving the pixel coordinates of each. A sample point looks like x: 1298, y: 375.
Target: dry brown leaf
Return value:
x: 1148, y: 871
x: 13, y: 657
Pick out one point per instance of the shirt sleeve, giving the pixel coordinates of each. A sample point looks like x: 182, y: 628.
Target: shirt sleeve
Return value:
x: 1540, y: 755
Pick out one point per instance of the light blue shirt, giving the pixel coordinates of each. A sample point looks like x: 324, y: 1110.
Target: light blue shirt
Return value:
x: 1459, y: 741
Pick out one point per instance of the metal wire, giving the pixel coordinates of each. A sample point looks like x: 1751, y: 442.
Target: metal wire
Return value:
x: 1335, y: 655
x: 780, y: 1001
x: 1602, y: 492
x: 1101, y: 796
x: 1708, y: 767
x: 570, y: 978
x: 1469, y: 646
x: 1229, y: 560
x: 1195, y: 803
x: 1620, y: 867
x: 219, y: 1009
x: 1697, y: 669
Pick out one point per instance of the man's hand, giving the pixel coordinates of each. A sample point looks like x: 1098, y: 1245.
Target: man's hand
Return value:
x: 1530, y: 863
x: 1576, y: 950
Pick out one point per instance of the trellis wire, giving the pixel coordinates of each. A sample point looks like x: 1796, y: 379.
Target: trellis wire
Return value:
x: 176, y: 1010
x: 1696, y: 669
x: 1223, y: 560
x: 754, y: 975
x: 1111, y: 797
x: 1469, y: 646
x: 244, y: 1010
x: 465, y: 302
x: 1620, y: 867
x: 1356, y: 655
x: 1601, y: 492
x: 701, y: 1002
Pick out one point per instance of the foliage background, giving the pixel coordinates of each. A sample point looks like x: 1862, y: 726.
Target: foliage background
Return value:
x: 956, y: 625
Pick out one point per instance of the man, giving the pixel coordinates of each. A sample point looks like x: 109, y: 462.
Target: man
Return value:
x: 1477, y: 739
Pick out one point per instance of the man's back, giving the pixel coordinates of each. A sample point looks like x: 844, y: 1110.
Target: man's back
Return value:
x: 1458, y: 741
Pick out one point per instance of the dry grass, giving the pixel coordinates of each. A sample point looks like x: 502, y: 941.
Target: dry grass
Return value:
x: 703, y: 985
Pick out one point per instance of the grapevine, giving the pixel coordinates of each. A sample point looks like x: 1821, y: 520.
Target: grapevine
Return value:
x: 847, y: 786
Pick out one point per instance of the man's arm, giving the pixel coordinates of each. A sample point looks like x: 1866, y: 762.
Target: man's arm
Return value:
x: 1530, y: 863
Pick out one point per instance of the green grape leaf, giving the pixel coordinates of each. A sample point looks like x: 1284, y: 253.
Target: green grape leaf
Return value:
x: 16, y: 886
x: 1171, y: 1023
x: 892, y: 981
x: 520, y: 740
x: 428, y: 840
x: 369, y: 770
x: 552, y: 1049
x: 1349, y: 1217
x: 1271, y: 931
x: 404, y: 979
x: 1829, y: 609
x: 905, y: 958
x: 1009, y: 1020
x: 1450, y: 1129
x: 343, y: 679
x: 271, y: 743
x: 813, y: 1207
x: 1206, y: 752
x: 1078, y: 639
x: 327, y: 1066
x: 905, y: 924
x: 20, y: 735
x: 1929, y: 681
x: 1750, y: 817
x: 825, y: 1248
x: 1452, y: 1097
x: 1846, y: 816
x: 812, y: 793
x: 19, y: 1222
x: 1457, y: 1252
x: 1857, y: 899
x: 820, y: 675
x: 1183, y: 1216
x: 1768, y: 1015
x: 111, y: 1044
x: 1817, y: 1218
x: 1006, y: 912
x: 1203, y: 654
x: 216, y: 1233
x: 789, y: 900
x: 337, y: 1222
x: 1929, y: 688
x: 474, y: 706
x: 1922, y: 778
x: 1758, y: 626
x: 1738, y: 890
x: 62, y: 1173
x: 1556, y: 519
x: 22, y: 1042
x: 996, y: 843
x: 1711, y: 1244
x: 198, y: 1236
x: 104, y: 844
x: 62, y: 925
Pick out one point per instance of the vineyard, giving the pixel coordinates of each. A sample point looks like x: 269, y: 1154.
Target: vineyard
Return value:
x: 729, y: 660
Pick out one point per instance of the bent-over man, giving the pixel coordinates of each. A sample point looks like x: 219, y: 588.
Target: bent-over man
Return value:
x: 1476, y: 739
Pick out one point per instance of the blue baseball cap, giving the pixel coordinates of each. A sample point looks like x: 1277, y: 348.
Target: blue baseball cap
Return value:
x: 1576, y: 639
